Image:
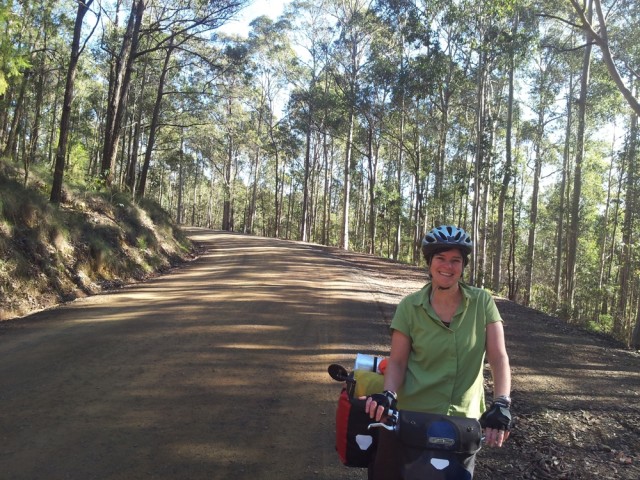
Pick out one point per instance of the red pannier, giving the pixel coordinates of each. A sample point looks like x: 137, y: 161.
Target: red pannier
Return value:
x: 355, y: 443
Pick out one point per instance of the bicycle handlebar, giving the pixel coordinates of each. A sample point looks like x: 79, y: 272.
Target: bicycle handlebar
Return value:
x: 415, y: 420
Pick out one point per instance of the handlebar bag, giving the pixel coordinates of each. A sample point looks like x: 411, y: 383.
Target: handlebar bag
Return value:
x: 440, y: 432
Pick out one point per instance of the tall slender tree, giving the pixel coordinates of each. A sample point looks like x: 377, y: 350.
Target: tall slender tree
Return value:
x: 574, y: 224
x: 76, y: 51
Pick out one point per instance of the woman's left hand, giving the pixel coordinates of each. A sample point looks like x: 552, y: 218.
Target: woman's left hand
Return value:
x: 494, y: 437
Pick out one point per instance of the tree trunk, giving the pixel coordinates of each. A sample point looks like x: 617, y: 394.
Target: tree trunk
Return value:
x: 195, y: 210
x: 304, y: 217
x: 560, y: 233
x: 511, y: 263
x: 533, y: 221
x: 118, y: 91
x: 419, y: 205
x: 256, y: 169
x: 626, y: 256
x: 496, y: 276
x: 601, y: 38
x: 130, y: 180
x: 601, y: 295
x: 328, y: 187
x: 180, y: 206
x: 226, y: 182
x: 155, y: 120
x: 478, y: 165
x: 574, y: 224
x: 347, y: 182
x: 328, y: 169
x: 304, y: 214
x: 35, y: 130
x: 65, y: 120
x: 372, y: 159
x: 398, y: 213
x: 12, y: 141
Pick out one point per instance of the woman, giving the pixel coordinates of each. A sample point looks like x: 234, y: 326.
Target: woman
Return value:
x: 440, y: 336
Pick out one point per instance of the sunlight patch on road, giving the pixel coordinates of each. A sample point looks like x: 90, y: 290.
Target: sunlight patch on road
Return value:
x: 249, y: 326
x: 255, y: 346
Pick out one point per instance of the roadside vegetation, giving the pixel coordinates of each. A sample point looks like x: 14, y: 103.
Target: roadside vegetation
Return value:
x: 93, y: 241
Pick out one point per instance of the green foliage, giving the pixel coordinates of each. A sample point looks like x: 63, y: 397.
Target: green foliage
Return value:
x: 13, y: 60
x: 604, y: 324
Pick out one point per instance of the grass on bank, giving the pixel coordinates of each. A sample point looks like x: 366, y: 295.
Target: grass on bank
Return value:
x: 92, y: 241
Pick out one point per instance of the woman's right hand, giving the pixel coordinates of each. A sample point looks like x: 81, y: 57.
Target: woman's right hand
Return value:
x: 378, y: 404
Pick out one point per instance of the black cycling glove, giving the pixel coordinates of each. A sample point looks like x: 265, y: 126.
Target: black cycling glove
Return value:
x: 386, y: 399
x: 497, y: 417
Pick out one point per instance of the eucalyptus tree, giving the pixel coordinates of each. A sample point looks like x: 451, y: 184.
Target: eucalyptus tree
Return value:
x: 34, y: 55
x: 12, y: 58
x: 77, y: 47
x: 159, y: 25
x: 589, y: 105
x: 273, y: 64
x: 182, y: 32
x: 390, y: 59
x: 155, y: 119
x: 382, y: 111
x: 270, y: 60
x: 356, y: 24
x: 453, y: 65
x: 312, y: 33
x: 174, y: 112
x: 34, y: 51
x: 19, y: 39
x: 434, y: 32
x: 488, y: 36
x: 573, y: 232
x: 627, y: 260
x: 547, y: 79
x: 121, y: 68
x: 228, y: 117
x: 519, y: 38
x: 570, y: 60
x: 593, y: 17
x: 373, y: 107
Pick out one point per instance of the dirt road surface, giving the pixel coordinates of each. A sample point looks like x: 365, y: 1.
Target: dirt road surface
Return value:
x: 218, y: 371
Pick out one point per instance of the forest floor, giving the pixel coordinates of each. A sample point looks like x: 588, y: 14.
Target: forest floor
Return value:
x: 576, y: 400
x: 133, y: 382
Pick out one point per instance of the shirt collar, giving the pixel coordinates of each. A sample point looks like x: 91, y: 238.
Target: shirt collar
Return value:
x: 425, y: 294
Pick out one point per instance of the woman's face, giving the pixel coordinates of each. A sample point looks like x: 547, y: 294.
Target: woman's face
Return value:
x: 446, y: 268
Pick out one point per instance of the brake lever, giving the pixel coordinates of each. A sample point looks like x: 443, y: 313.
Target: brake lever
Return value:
x: 391, y: 428
x: 393, y: 415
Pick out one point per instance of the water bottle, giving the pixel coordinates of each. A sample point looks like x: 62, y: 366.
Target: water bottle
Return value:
x: 370, y: 363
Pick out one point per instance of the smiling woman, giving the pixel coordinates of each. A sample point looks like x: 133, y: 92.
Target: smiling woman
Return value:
x: 440, y: 337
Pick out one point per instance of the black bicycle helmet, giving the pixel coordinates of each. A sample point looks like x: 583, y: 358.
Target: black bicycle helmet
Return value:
x: 444, y: 238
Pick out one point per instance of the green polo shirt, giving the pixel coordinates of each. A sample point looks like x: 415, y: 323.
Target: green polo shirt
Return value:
x: 444, y: 372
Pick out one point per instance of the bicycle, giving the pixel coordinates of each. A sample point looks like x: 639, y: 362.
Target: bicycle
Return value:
x: 433, y: 446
